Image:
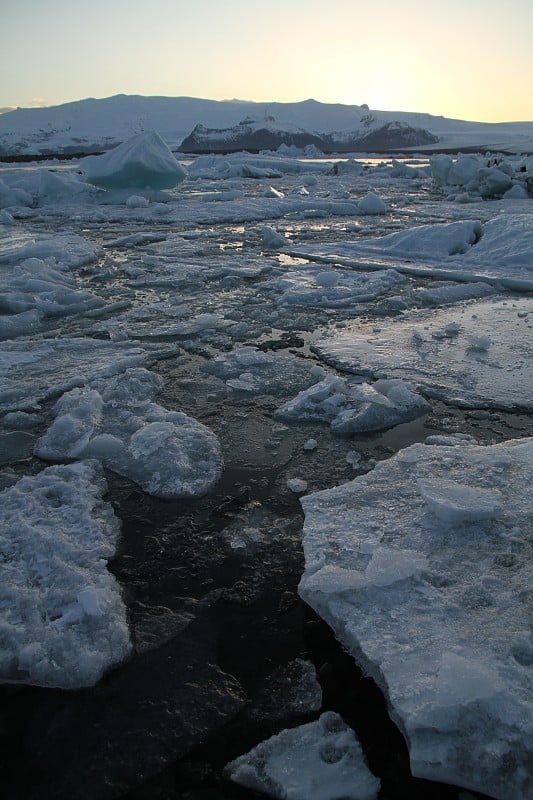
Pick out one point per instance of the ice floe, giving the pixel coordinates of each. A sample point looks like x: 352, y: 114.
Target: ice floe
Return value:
x: 479, y: 354
x: 65, y: 249
x: 62, y: 619
x: 167, y: 453
x: 500, y: 250
x: 321, y: 760
x: 426, y: 585
x: 350, y: 407
x: 317, y: 287
x: 34, y: 370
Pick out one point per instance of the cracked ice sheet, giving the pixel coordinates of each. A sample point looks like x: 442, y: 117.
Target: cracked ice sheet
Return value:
x: 32, y: 371
x: 427, y: 587
x: 477, y: 355
x: 62, y: 619
x: 498, y: 251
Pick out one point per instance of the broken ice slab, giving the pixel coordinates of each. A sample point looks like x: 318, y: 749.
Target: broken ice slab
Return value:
x: 423, y: 568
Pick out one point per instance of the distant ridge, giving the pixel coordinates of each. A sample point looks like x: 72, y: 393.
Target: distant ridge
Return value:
x: 94, y: 125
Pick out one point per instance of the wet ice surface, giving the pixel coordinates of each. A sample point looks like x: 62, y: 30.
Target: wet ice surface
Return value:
x: 263, y: 389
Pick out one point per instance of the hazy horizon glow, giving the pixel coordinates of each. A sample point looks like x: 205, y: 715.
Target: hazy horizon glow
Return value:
x: 466, y: 59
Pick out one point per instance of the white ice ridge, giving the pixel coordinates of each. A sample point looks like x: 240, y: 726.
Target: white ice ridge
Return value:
x: 423, y: 568
x: 479, y: 354
x: 500, y: 251
x: 115, y: 421
x: 351, y: 407
x: 143, y: 162
x: 321, y: 760
x: 62, y: 619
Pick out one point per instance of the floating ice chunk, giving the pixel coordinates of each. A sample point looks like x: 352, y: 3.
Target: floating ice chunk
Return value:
x: 137, y: 201
x: 297, y: 485
x: 350, y: 407
x: 167, y: 453
x: 67, y: 249
x: 516, y: 192
x: 63, y: 622
x: 434, y: 606
x: 353, y: 458
x: 455, y: 502
x: 10, y: 197
x: 372, y: 204
x: 327, y: 278
x: 448, y: 367
x: 272, y: 192
x: 480, y: 343
x: 310, y: 444
x: 144, y: 161
x: 57, y: 186
x: 319, y: 761
x: 272, y: 238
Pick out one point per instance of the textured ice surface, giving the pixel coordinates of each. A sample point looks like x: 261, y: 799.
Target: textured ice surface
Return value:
x: 35, y: 289
x: 500, y: 250
x: 62, y: 619
x: 318, y: 761
x: 167, y: 453
x: 65, y: 249
x: 316, y: 288
x: 144, y: 161
x: 476, y: 355
x: 351, y: 407
x: 423, y: 567
x: 31, y: 371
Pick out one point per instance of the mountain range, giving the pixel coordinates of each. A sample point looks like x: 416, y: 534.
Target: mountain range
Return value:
x: 95, y: 125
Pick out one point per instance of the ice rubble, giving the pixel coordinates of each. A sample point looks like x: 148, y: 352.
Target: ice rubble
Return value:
x: 57, y: 249
x: 115, y: 421
x: 500, y: 250
x: 482, y: 177
x: 63, y: 622
x: 321, y: 760
x: 36, y: 289
x: 351, y: 407
x: 427, y: 587
x: 475, y: 355
x: 144, y: 161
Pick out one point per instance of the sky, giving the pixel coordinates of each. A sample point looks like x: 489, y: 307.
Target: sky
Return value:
x: 465, y: 59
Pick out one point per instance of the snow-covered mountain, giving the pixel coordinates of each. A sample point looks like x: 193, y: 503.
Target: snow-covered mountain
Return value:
x: 93, y: 125
x: 259, y: 135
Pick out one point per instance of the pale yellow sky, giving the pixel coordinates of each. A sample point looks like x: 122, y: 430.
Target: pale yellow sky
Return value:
x: 469, y: 59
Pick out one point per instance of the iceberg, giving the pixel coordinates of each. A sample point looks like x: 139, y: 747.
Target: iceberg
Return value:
x: 143, y: 162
